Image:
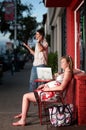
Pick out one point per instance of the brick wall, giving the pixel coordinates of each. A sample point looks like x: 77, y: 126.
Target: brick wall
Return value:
x: 80, y: 96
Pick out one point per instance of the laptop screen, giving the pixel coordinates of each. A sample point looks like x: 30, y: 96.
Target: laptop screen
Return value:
x: 44, y: 73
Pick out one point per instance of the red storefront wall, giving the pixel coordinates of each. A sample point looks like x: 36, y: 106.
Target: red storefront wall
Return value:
x: 70, y: 5
x: 70, y: 30
x: 80, y: 79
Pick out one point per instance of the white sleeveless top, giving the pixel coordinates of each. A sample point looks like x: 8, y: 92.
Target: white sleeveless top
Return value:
x: 60, y: 78
x: 56, y: 82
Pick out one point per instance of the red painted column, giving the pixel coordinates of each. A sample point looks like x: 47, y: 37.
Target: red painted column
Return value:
x: 70, y: 32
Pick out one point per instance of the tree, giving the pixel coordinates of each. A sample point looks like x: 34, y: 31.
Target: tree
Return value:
x: 28, y: 24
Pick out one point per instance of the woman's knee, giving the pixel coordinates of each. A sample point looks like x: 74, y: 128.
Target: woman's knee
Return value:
x: 26, y: 96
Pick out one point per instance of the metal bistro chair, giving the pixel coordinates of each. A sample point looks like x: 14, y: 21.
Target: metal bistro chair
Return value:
x: 65, y: 96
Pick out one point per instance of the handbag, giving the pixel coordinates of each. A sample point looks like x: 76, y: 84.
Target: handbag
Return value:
x: 61, y: 115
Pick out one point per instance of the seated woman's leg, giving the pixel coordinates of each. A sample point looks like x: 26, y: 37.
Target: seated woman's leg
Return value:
x: 18, y: 116
x: 27, y: 98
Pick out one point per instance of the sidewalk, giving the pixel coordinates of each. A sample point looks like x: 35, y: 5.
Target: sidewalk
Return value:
x: 11, y: 92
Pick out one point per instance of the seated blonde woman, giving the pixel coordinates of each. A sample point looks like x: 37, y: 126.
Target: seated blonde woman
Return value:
x: 59, y: 84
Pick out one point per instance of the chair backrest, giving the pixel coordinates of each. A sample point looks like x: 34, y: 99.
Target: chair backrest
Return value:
x: 69, y: 96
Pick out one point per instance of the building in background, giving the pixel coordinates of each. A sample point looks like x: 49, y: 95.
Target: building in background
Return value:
x: 65, y: 23
x: 9, y: 47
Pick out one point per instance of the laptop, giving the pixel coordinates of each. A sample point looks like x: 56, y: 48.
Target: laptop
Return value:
x: 44, y: 73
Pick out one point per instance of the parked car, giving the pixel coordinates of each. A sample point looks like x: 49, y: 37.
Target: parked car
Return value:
x: 21, y: 59
x: 1, y: 71
x: 5, y: 62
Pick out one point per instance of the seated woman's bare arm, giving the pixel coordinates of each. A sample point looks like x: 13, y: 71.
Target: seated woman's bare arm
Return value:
x: 41, y: 86
x: 67, y: 78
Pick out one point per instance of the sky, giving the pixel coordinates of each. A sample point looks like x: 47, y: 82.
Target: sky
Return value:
x: 38, y: 10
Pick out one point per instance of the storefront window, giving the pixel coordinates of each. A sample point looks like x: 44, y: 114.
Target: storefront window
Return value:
x: 80, y: 38
x: 64, y: 33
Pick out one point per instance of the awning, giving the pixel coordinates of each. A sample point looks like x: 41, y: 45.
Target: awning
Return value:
x: 57, y: 3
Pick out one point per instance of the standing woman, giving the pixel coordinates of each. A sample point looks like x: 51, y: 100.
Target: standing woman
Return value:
x: 40, y: 57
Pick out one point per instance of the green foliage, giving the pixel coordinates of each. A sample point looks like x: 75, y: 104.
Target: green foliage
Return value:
x: 21, y: 50
x: 52, y: 61
x: 30, y: 28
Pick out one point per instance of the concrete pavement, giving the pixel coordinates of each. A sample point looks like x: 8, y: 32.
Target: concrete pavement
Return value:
x: 11, y: 92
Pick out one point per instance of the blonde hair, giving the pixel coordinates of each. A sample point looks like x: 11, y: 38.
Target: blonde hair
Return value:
x: 69, y: 60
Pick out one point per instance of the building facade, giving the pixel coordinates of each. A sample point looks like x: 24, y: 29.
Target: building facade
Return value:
x: 66, y: 25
